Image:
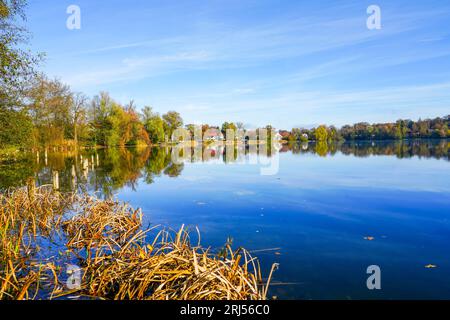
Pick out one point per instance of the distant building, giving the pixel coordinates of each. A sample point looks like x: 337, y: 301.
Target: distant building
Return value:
x: 213, y: 135
x: 284, y: 134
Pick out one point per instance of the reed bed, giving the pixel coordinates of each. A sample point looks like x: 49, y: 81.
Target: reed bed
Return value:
x: 118, y: 259
x: 25, y: 217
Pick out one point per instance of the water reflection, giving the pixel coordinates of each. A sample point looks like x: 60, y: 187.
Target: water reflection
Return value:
x: 438, y: 149
x: 107, y: 170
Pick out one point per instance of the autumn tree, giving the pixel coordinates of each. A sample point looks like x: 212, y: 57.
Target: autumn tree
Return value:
x: 321, y: 133
x: 49, y: 106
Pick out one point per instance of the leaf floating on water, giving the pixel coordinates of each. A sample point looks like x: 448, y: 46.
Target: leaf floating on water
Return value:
x: 369, y: 238
x: 277, y: 253
x: 431, y: 266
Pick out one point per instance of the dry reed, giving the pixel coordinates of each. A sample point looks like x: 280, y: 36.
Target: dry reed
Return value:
x: 118, y: 259
x: 25, y: 217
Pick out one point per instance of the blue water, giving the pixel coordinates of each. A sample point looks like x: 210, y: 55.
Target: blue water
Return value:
x: 313, y: 214
x: 317, y: 211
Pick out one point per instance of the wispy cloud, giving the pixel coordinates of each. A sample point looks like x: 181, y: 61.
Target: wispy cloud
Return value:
x: 341, y: 106
x: 221, y: 47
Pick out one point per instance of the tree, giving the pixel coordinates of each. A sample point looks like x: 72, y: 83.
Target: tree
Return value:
x: 17, y: 65
x: 49, y: 105
x: 147, y: 114
x: 194, y: 129
x: 423, y: 128
x: 333, y: 134
x: 228, y: 126
x: 401, y: 129
x: 16, y: 129
x: 153, y: 124
x: 123, y: 127
x: 172, y: 121
x: 100, y: 126
x: 77, y: 113
x: 240, y: 126
x: 321, y: 133
x: 155, y: 129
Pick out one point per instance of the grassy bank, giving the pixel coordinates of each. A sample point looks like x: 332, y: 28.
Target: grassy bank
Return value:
x: 42, y: 232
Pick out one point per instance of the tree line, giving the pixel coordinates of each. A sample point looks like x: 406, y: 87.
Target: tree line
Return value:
x: 437, y: 128
x: 49, y: 114
x: 36, y: 111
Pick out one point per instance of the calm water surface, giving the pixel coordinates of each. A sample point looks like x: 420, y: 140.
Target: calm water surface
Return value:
x: 313, y: 213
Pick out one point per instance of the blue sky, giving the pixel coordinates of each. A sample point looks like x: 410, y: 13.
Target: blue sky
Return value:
x: 285, y: 63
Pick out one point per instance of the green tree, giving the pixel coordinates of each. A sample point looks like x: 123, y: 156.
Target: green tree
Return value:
x: 228, y: 126
x: 17, y: 67
x: 333, y: 134
x: 154, y: 125
x: 124, y: 127
x: 99, y: 122
x: 114, y: 121
x: 172, y: 121
x: 77, y: 114
x: 401, y: 129
x: 18, y: 64
x: 16, y: 129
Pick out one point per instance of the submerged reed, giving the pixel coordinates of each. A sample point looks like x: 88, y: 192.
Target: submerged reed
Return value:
x: 26, y: 216
x: 117, y: 257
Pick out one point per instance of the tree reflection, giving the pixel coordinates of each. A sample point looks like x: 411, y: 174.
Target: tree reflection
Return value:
x: 104, y: 171
x: 438, y: 149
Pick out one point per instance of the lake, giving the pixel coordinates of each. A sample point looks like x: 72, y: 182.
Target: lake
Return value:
x: 309, y: 207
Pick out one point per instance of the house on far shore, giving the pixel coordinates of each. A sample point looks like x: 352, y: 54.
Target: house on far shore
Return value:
x: 284, y: 134
x: 213, y: 135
